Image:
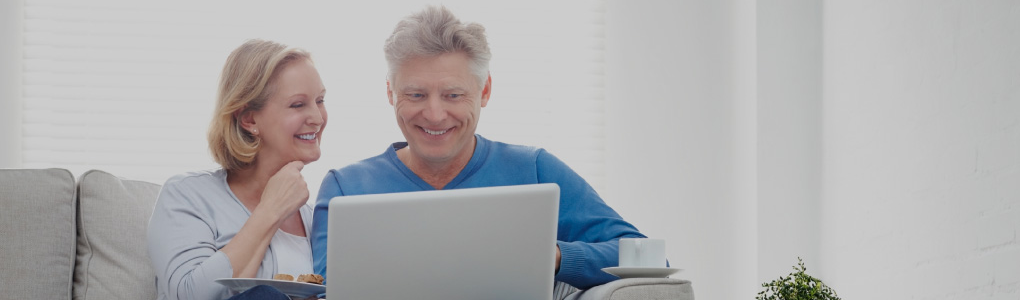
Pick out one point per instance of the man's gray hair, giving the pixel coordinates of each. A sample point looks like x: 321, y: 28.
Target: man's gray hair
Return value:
x: 435, y: 31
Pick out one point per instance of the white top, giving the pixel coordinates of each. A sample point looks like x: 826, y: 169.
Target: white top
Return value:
x: 293, y: 253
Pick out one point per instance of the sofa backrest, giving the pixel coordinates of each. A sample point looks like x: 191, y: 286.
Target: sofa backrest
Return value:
x: 112, y: 254
x: 65, y: 240
x: 37, y: 233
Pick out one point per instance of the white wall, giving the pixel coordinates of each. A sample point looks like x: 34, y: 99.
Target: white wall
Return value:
x: 921, y: 143
x: 10, y: 84
x: 879, y: 141
x: 789, y: 91
x: 677, y: 137
x: 714, y: 139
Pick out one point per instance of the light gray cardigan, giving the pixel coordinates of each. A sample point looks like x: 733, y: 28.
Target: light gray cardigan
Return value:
x: 196, y: 214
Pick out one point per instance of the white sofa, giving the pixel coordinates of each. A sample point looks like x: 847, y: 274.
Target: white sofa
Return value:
x: 85, y: 239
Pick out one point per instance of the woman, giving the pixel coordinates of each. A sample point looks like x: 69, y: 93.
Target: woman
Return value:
x: 248, y: 219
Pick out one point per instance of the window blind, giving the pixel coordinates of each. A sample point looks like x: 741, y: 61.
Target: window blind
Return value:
x: 129, y: 86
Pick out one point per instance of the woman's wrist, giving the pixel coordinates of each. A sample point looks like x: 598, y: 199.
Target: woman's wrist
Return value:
x: 265, y: 214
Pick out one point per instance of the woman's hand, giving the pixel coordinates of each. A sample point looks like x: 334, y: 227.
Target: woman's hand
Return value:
x: 285, y: 192
x: 283, y: 195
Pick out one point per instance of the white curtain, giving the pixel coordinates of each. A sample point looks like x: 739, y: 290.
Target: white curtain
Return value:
x: 128, y: 86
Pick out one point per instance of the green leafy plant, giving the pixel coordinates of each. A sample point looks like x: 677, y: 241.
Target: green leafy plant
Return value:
x: 797, y: 286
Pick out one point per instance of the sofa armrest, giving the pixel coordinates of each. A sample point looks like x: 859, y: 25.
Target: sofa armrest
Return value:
x: 638, y: 288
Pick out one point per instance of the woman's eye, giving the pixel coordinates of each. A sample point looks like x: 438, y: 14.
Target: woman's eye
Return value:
x: 320, y: 100
x: 297, y: 104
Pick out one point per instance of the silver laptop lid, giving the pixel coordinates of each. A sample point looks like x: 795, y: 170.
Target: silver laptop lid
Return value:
x: 476, y: 243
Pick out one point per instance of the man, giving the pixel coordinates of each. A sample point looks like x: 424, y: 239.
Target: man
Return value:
x: 438, y: 82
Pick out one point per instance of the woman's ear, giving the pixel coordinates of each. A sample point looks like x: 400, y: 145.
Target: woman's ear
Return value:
x: 247, y: 120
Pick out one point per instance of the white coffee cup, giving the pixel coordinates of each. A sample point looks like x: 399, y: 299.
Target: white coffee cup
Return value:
x: 642, y: 253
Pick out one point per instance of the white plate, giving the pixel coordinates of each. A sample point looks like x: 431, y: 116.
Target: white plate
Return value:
x: 292, y: 288
x: 629, y: 272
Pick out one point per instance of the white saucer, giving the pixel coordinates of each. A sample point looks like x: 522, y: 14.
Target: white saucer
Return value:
x: 634, y: 272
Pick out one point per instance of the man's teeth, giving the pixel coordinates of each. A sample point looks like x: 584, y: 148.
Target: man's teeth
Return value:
x: 310, y: 136
x: 433, y: 132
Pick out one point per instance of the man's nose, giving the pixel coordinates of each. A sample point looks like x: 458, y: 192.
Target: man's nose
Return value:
x: 435, y: 109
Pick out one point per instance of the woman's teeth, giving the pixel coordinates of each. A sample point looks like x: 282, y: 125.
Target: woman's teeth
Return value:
x: 310, y: 136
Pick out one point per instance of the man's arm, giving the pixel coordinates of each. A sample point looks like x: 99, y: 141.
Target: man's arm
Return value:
x: 588, y: 230
x: 320, y: 220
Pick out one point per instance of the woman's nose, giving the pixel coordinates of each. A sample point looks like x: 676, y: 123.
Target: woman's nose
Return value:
x: 317, y: 115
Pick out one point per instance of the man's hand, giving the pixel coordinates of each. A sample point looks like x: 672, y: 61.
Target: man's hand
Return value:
x: 557, y: 259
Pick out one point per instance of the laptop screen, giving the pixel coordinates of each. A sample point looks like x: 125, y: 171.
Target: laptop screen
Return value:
x: 476, y: 243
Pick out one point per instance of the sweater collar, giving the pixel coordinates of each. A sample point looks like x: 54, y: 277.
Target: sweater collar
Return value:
x: 478, y: 157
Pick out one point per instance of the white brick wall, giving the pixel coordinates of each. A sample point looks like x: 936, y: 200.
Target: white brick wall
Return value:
x: 921, y: 149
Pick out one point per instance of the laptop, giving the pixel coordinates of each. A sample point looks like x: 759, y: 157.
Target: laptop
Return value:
x: 474, y: 243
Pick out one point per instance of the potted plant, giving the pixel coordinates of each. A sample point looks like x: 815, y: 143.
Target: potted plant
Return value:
x: 797, y: 286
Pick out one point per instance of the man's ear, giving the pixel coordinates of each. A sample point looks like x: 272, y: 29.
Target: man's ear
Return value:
x: 487, y: 90
x: 389, y: 92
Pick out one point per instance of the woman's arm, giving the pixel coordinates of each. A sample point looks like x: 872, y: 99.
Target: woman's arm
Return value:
x: 284, y: 194
x: 183, y: 248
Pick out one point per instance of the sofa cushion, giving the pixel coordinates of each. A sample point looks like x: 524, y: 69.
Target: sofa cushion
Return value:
x: 113, y: 258
x: 638, y: 288
x: 37, y: 237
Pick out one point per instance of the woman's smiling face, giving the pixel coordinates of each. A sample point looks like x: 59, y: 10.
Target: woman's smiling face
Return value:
x: 291, y: 122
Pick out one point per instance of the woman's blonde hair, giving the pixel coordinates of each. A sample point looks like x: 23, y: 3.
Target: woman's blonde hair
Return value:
x: 245, y: 85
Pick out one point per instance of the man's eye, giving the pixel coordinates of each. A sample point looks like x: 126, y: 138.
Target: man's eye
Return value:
x: 455, y: 96
x: 416, y: 95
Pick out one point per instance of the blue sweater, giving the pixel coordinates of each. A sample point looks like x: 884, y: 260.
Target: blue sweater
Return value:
x: 587, y: 232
